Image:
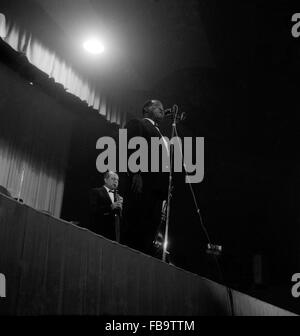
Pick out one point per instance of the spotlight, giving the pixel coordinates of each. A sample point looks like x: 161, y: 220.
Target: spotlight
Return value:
x: 93, y: 46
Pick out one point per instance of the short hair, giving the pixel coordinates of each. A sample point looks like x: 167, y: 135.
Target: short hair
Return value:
x: 147, y: 104
x: 107, y: 173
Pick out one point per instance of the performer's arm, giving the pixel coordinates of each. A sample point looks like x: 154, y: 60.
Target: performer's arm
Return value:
x: 96, y: 207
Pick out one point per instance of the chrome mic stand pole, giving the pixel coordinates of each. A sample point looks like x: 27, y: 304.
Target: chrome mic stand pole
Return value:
x: 21, y: 182
x: 170, y: 187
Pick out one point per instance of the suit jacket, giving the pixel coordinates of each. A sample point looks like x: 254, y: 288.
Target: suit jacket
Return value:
x: 102, y: 216
x: 157, y: 182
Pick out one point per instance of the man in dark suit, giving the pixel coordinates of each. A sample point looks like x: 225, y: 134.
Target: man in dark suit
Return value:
x: 106, y: 204
x: 144, y: 192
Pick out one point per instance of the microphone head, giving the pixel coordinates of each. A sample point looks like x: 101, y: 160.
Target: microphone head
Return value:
x: 182, y: 116
x: 169, y: 113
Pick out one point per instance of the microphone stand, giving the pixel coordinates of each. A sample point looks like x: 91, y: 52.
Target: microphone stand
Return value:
x: 21, y: 183
x: 170, y: 187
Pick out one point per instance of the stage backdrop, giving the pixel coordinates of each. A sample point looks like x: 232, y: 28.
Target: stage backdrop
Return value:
x: 34, y: 143
x: 22, y: 38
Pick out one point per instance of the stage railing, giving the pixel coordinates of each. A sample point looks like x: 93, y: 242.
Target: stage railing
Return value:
x: 52, y: 267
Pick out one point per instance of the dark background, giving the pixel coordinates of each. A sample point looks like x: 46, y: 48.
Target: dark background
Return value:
x: 246, y: 107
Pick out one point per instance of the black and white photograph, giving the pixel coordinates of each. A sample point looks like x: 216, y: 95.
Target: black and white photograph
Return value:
x: 149, y: 161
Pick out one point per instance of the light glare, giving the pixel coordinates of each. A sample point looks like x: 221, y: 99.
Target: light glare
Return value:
x: 93, y: 46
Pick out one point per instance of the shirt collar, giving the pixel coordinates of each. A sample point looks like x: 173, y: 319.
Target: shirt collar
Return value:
x: 107, y: 189
x: 152, y: 121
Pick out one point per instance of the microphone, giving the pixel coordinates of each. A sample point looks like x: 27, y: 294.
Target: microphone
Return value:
x: 172, y: 111
x: 168, y: 111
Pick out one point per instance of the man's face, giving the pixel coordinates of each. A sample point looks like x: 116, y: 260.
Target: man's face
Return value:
x: 112, y: 181
x: 156, y: 111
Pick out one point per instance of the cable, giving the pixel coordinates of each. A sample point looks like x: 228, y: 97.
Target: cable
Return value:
x: 221, y: 275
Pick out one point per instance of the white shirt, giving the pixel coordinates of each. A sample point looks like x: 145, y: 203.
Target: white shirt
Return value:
x: 110, y: 194
x: 163, y: 138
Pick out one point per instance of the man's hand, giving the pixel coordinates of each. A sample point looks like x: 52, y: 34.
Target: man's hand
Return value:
x: 116, y: 205
x: 137, y: 184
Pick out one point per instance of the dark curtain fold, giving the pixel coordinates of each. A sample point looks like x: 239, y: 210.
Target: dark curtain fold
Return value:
x: 30, y: 31
x: 35, y: 135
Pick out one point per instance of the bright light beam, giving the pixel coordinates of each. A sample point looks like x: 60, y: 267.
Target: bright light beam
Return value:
x: 93, y: 46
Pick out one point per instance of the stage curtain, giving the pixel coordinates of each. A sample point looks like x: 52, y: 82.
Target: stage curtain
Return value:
x: 47, y: 60
x: 34, y: 143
